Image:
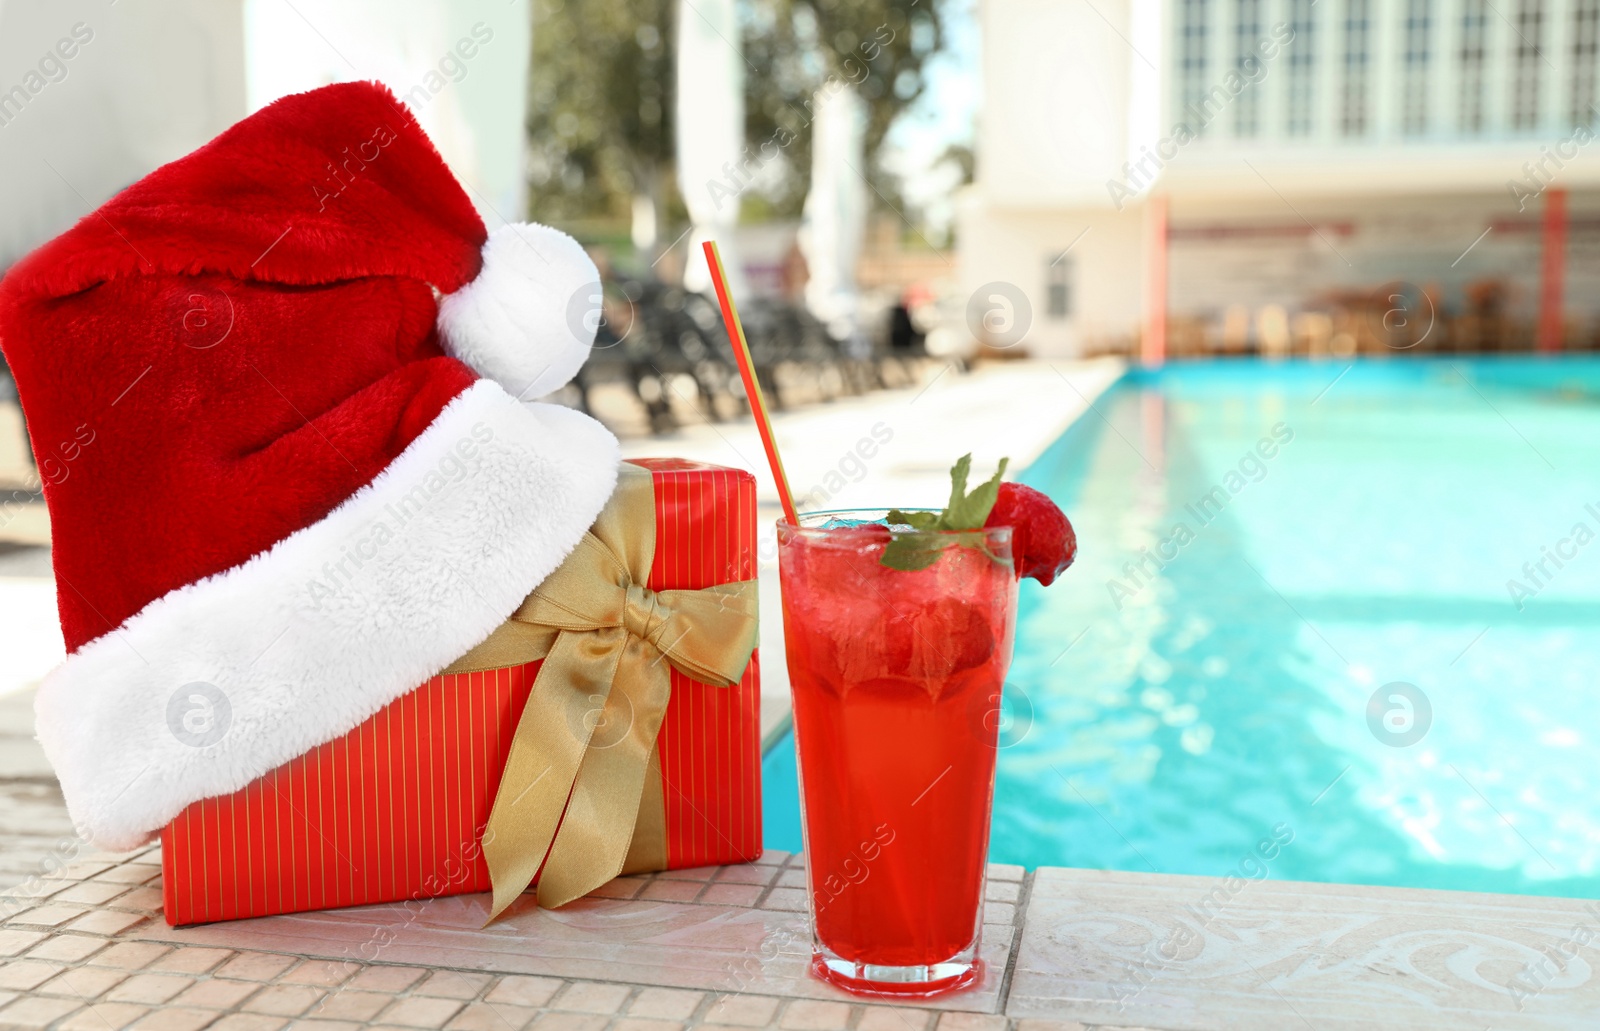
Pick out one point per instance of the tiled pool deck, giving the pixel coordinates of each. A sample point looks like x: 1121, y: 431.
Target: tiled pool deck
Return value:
x: 87, y: 948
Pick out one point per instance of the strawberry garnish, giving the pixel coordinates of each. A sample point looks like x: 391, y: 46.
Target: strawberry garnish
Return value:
x: 1042, y: 541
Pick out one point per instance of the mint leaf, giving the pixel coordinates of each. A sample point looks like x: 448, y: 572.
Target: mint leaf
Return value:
x: 909, y: 554
x: 958, y: 481
x: 965, y: 512
x: 920, y: 520
x: 969, y: 511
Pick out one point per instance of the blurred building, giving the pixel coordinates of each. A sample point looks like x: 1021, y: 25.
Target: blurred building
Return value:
x: 95, y: 95
x: 1287, y: 174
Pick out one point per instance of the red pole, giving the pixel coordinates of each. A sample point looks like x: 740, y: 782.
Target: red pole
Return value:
x: 1153, y: 346
x: 1552, y: 269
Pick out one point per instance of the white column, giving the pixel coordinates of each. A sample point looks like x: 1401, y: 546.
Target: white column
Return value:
x: 1444, y: 74
x: 1499, y: 41
x: 1326, y: 69
x: 1384, y: 70
x: 1556, y: 85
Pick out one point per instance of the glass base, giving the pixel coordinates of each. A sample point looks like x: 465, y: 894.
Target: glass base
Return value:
x: 919, y: 982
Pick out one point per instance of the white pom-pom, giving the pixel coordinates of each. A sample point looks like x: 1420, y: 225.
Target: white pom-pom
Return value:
x: 527, y: 320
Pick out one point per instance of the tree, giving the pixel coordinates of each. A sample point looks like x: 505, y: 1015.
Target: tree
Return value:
x: 880, y: 46
x: 600, y: 108
x: 601, y: 100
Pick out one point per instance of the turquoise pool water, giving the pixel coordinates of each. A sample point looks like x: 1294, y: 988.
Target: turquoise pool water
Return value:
x: 1182, y: 694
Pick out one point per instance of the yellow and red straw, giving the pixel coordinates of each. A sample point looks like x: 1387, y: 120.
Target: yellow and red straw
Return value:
x: 747, y: 372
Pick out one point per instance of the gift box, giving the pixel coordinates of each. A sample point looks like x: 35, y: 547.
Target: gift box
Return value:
x: 405, y: 805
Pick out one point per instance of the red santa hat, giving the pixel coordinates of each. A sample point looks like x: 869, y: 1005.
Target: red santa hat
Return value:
x: 277, y: 390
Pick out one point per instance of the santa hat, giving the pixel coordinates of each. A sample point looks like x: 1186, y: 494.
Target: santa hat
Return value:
x: 277, y: 390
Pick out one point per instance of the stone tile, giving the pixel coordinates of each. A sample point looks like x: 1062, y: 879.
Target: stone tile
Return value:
x: 28, y: 974
x: 284, y: 1000
x: 788, y: 900
x: 48, y: 915
x: 330, y: 1025
x: 588, y: 997
x: 129, y: 955
x: 103, y: 1016
x: 80, y: 870
x: 15, y: 940
x: 36, y: 1011
x: 521, y: 990
x: 249, y: 1022
x: 216, y: 994
x: 486, y: 1016
x: 665, y: 1004
x: 419, y: 1011
x: 130, y: 873
x: 150, y: 989
x: 108, y: 922
x: 67, y: 948
x: 90, y: 893
x: 1002, y: 891
x: 745, y: 895
x: 772, y: 857
x: 747, y: 874
x: 815, y: 1015
x: 893, y: 1018
x: 189, y: 960
x: 569, y: 1022
x: 255, y: 966
x: 348, y: 1004
x: 999, y: 913
x: 672, y: 891
x: 693, y: 873
x: 621, y: 888
x: 386, y: 979
x: 175, y: 1020
x: 33, y: 889
x: 1003, y: 872
x: 971, y: 1022
x: 646, y: 1024
x: 451, y: 984
x: 82, y: 982
x: 793, y: 879
x: 325, y: 973
x: 742, y: 1010
x: 146, y: 900
x: 1034, y: 1024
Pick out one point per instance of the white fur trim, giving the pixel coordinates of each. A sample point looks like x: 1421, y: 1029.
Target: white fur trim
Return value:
x: 527, y: 320
x: 301, y: 643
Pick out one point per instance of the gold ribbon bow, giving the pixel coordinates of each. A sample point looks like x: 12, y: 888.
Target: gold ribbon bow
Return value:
x: 586, y: 810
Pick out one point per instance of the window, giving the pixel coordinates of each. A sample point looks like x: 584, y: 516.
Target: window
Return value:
x: 1473, y: 53
x: 1585, y: 37
x: 1526, y: 57
x: 1357, y: 57
x: 1414, y: 101
x: 1302, y: 69
x: 1194, y: 25
x: 1247, y: 62
x: 1058, y: 287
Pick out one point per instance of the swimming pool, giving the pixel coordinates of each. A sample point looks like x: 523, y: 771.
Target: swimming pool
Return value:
x: 1354, y: 607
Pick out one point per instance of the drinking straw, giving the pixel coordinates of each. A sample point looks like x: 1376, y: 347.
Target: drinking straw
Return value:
x: 747, y: 372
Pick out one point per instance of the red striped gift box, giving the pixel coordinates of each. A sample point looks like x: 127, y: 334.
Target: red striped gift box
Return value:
x: 394, y: 810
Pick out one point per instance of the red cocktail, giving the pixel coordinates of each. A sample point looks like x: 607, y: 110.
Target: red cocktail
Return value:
x: 896, y: 675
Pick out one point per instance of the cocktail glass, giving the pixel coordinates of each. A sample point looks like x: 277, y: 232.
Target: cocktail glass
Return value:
x: 896, y: 677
